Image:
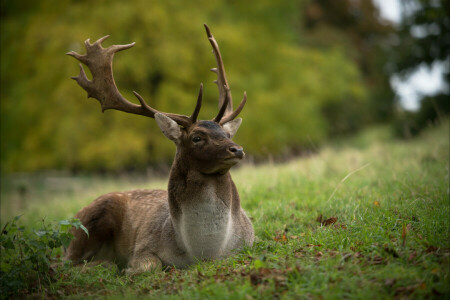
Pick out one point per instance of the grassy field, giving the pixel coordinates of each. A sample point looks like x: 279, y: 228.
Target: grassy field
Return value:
x: 365, y: 218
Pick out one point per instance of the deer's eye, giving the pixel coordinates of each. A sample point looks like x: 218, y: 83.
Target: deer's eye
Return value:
x: 196, y: 139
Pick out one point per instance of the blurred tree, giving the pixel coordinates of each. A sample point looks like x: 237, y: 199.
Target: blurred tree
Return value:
x: 365, y: 36
x: 424, y: 36
x: 423, y: 39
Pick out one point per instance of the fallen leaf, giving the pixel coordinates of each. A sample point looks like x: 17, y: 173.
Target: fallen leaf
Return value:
x: 281, y: 237
x: 422, y: 286
x: 329, y: 221
x: 376, y: 203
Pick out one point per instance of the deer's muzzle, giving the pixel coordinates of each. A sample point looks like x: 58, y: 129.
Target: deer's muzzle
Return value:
x: 237, y: 151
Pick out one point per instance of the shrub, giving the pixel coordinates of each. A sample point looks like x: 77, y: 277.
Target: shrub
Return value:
x: 27, y: 254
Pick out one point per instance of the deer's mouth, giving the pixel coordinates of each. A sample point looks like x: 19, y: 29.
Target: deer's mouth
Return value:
x: 223, y: 166
x: 235, y: 158
x: 232, y: 160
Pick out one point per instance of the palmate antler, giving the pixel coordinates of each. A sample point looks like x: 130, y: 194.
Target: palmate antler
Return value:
x: 103, y: 87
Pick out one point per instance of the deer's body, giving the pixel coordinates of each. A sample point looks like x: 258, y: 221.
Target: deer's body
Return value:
x: 206, y: 222
x: 199, y: 217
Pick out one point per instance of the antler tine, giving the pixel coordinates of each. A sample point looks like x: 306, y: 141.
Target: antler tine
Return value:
x: 79, y: 57
x: 103, y: 87
x: 180, y: 119
x: 101, y: 40
x: 221, y: 81
x: 194, y: 115
x: 224, y: 106
x: 117, y: 48
x: 82, y: 76
x: 235, y: 113
x: 225, y: 101
x: 144, y: 104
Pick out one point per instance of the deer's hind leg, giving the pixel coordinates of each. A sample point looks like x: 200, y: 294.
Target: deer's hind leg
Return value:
x: 103, y: 219
x: 144, y: 263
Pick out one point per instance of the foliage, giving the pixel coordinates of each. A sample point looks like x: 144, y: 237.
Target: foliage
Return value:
x: 304, y: 84
x: 433, y: 109
x: 367, y: 39
x: 423, y: 40
x: 424, y: 35
x: 365, y: 218
x: 25, y: 263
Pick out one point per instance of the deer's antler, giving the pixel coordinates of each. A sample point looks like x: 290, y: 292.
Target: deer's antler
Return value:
x: 226, y: 112
x: 103, y: 87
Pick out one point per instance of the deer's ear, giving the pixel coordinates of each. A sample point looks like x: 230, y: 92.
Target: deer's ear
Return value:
x: 232, y: 127
x: 168, y: 126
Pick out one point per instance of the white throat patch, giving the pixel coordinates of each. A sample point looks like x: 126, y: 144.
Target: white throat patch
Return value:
x: 206, y: 226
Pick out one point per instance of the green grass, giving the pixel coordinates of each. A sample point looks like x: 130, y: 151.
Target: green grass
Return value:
x: 391, y: 237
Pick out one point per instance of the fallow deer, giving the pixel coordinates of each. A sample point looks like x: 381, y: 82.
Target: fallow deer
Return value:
x: 200, y: 216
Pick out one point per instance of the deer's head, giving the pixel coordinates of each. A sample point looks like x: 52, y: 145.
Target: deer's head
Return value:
x: 205, y: 146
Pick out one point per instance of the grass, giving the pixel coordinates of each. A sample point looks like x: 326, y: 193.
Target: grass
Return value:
x: 367, y: 217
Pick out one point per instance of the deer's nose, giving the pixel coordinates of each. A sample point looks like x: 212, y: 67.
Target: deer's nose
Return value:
x: 238, y: 151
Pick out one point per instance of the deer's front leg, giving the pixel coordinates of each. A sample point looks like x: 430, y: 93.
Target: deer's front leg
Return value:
x: 143, y: 263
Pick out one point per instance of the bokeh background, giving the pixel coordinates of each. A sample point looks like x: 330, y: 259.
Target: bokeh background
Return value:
x: 313, y: 70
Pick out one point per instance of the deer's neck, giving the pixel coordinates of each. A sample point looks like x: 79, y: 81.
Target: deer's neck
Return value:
x: 202, y: 209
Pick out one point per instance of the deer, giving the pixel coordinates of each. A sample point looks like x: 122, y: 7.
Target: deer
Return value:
x: 200, y: 216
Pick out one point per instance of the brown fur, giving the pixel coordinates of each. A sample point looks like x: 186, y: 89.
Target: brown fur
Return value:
x: 144, y: 229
